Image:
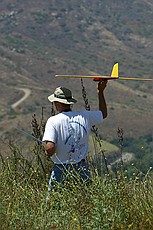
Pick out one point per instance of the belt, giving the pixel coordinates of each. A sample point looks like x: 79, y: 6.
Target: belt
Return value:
x: 83, y: 160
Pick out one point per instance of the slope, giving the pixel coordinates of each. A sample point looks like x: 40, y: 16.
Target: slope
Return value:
x: 44, y: 38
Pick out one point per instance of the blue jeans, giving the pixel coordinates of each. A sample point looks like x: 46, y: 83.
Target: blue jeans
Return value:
x: 61, y: 172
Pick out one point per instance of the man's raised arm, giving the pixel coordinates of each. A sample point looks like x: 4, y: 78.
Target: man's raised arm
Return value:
x: 102, y: 103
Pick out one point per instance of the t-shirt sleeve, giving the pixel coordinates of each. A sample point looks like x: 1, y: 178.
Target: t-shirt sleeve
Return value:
x: 96, y: 117
x: 50, y: 133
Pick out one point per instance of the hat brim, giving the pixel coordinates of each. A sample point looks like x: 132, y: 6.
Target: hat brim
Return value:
x: 71, y: 101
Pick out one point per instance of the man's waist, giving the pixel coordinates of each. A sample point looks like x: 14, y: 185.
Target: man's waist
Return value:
x: 70, y: 162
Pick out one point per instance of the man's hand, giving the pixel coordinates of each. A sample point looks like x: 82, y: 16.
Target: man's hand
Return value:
x: 102, y: 85
x: 50, y: 148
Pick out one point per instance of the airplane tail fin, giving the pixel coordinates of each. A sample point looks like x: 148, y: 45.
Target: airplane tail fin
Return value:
x: 114, y: 73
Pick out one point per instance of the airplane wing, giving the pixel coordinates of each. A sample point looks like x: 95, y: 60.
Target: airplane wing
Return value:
x: 114, y: 75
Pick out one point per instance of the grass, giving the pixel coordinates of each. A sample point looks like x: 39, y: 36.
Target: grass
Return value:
x: 114, y: 200
x: 108, y: 203
x: 108, y: 147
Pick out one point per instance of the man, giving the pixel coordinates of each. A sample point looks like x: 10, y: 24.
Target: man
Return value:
x: 67, y: 133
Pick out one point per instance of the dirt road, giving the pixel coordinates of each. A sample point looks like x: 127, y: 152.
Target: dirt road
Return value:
x: 27, y: 93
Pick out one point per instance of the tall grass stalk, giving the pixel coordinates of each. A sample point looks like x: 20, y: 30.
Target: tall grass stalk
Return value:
x: 96, y: 140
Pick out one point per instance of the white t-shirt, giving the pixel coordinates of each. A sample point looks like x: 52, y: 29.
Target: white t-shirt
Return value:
x: 70, y: 133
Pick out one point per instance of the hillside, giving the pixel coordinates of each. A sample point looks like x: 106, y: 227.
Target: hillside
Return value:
x: 39, y: 39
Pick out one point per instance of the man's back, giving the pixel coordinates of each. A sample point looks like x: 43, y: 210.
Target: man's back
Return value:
x: 70, y: 133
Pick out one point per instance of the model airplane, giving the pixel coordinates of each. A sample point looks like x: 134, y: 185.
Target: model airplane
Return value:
x: 114, y: 75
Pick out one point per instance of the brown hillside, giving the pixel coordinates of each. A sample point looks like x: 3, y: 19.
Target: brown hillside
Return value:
x: 39, y: 39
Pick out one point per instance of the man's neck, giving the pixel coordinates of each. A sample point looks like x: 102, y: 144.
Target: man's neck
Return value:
x: 65, y: 110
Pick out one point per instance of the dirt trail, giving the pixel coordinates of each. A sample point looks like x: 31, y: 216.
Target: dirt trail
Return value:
x: 27, y: 93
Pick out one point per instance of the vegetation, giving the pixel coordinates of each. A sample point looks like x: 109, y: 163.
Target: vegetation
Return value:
x: 142, y: 150
x: 114, y: 200
x: 110, y: 202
